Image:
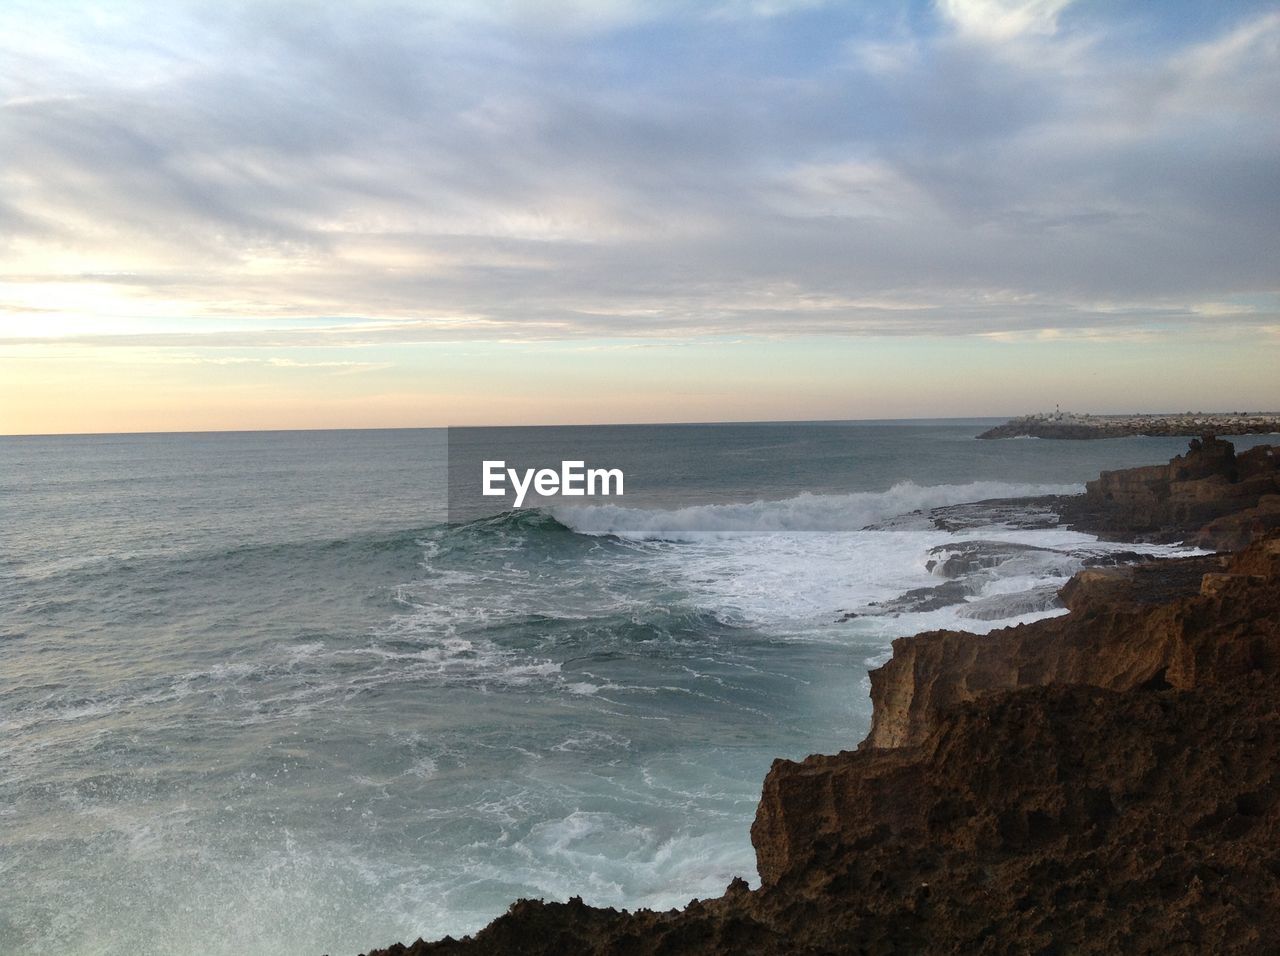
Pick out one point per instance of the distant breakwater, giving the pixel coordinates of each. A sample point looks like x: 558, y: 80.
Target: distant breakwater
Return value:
x: 1072, y: 426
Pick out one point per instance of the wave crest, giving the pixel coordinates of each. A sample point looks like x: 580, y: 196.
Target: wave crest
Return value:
x: 804, y: 512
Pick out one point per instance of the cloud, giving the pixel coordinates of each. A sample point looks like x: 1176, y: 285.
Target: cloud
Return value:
x: 531, y: 171
x: 1003, y: 20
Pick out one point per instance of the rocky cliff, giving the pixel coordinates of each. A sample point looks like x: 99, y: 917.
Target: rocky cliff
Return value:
x: 1157, y: 626
x: 1210, y: 495
x: 1106, y: 781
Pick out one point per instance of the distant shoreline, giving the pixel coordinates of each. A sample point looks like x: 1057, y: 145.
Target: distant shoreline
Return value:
x: 1082, y: 427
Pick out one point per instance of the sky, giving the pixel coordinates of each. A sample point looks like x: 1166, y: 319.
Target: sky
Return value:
x: 377, y: 214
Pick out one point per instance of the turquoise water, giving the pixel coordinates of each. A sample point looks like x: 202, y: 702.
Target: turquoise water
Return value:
x: 258, y: 696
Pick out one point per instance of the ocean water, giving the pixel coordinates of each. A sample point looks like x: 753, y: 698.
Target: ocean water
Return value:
x: 258, y: 695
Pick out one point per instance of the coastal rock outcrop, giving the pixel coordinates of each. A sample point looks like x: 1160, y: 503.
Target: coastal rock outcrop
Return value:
x: 1049, y: 820
x: 1148, y: 626
x: 1203, y: 496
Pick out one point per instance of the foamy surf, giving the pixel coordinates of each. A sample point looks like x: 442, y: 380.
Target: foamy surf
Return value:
x: 803, y: 512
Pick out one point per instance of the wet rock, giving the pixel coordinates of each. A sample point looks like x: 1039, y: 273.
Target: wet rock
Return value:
x: 916, y: 601
x: 1111, y: 559
x: 972, y: 566
x: 954, y: 560
x: 999, y: 607
x: 1014, y: 514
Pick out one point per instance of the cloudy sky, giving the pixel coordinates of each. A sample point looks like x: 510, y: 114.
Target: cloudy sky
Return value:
x: 305, y: 214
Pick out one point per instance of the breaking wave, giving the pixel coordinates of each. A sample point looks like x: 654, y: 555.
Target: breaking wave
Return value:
x: 804, y: 512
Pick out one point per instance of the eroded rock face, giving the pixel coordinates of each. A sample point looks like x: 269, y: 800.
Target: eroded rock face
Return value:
x: 1154, y: 625
x: 1006, y: 820
x: 1201, y: 495
x: 1232, y: 531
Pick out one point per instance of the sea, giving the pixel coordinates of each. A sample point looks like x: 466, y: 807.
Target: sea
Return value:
x: 259, y: 694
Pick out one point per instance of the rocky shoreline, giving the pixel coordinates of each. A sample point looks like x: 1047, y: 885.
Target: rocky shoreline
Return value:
x: 1104, y: 781
x: 1079, y: 427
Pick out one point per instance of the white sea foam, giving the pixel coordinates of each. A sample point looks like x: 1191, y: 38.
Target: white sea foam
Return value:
x: 804, y: 512
x: 800, y: 585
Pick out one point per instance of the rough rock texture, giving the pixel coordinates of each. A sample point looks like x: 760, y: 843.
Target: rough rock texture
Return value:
x: 1211, y: 495
x: 1103, y: 782
x: 966, y: 557
x: 1119, y: 636
x: 1233, y: 531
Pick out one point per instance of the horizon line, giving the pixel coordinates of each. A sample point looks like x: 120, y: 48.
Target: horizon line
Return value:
x: 632, y: 424
x: 421, y: 428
